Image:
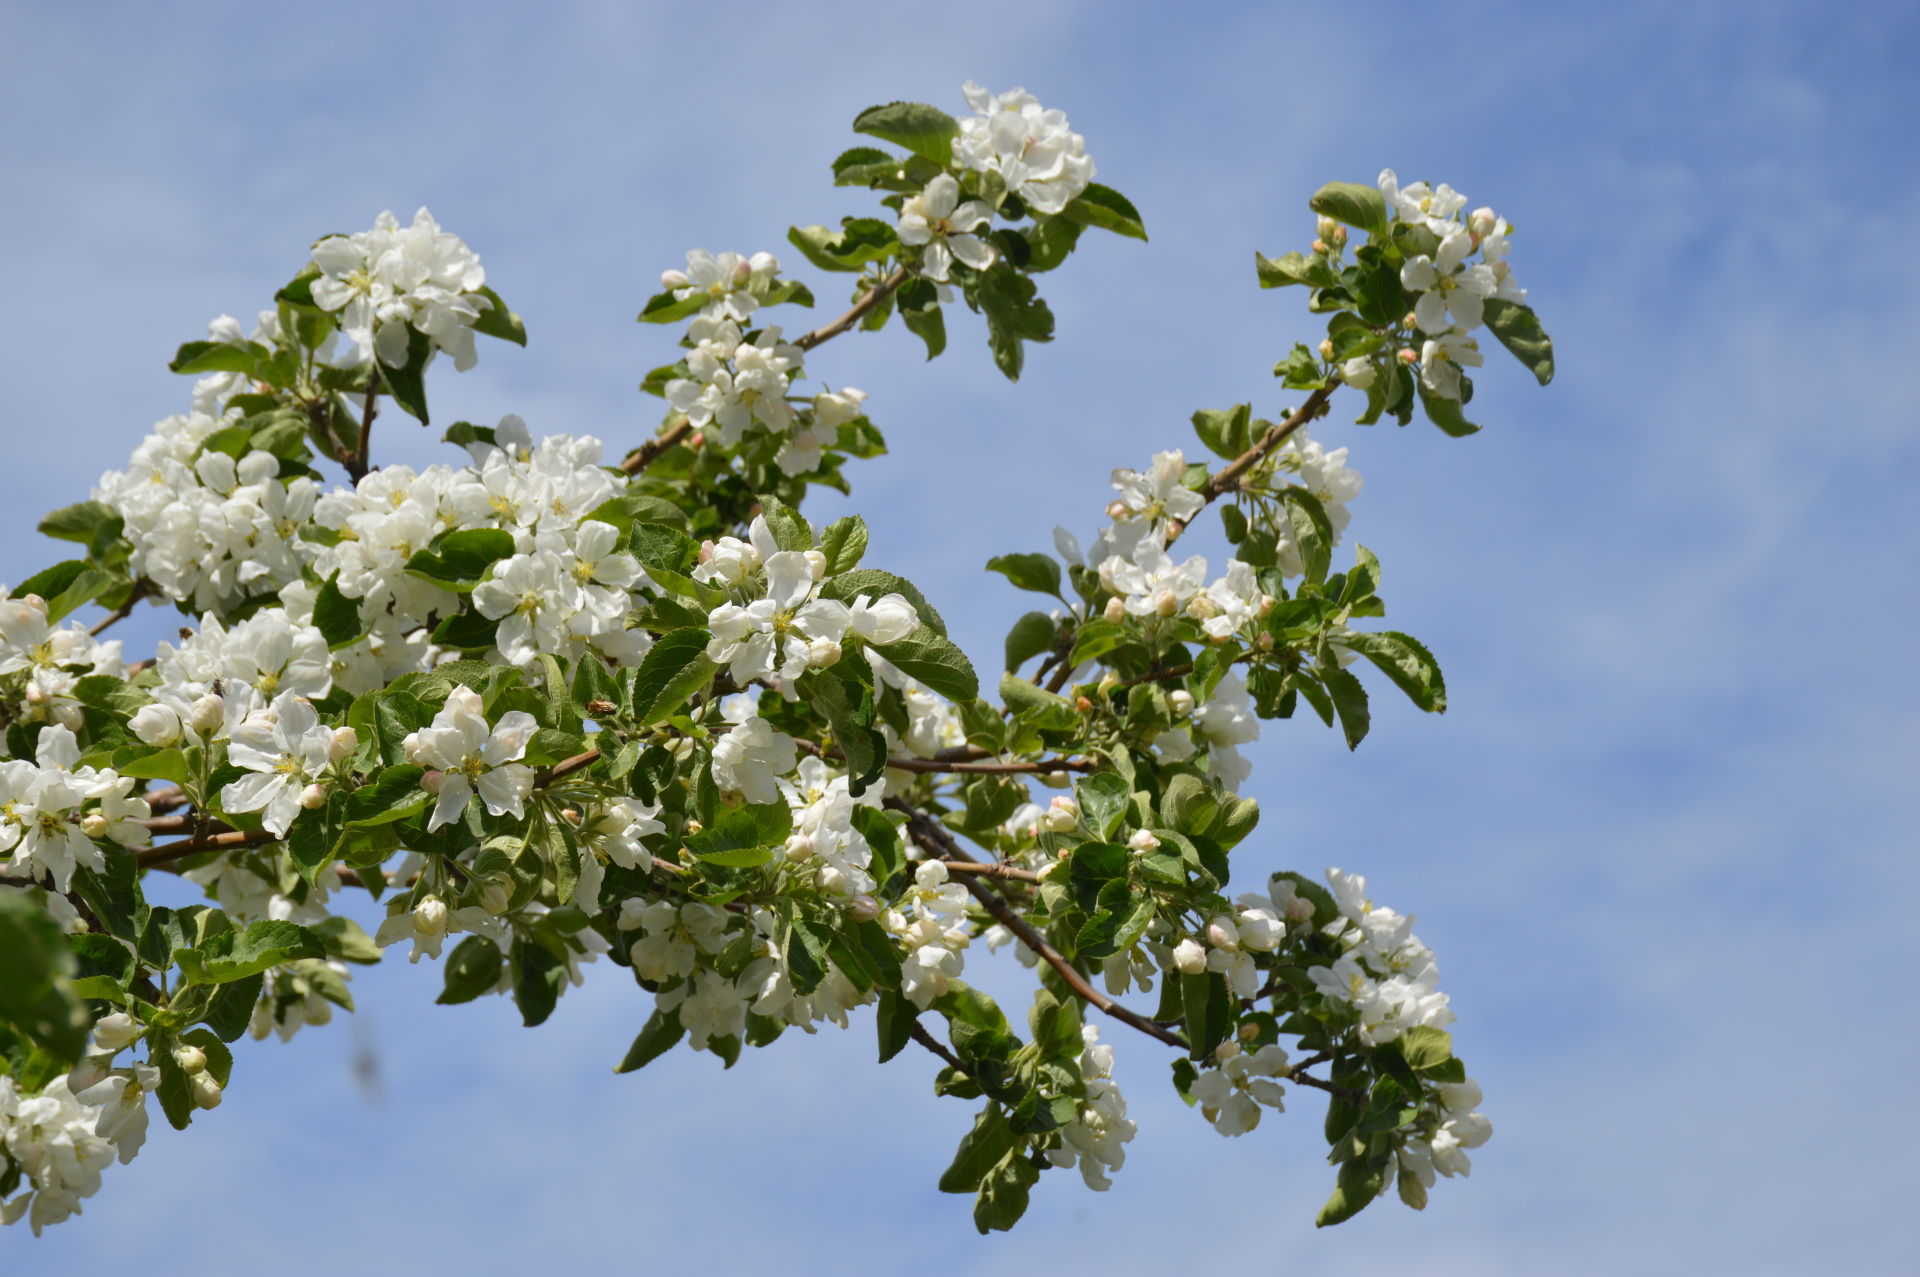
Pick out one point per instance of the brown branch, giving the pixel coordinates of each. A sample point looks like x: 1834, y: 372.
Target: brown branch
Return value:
x: 120, y: 613
x: 182, y: 824
x: 919, y: 1034
x: 212, y: 842
x: 998, y: 869
x: 1229, y: 477
x: 165, y: 799
x: 1040, y: 767
x: 356, y: 462
x: 566, y: 767
x: 936, y: 841
x: 859, y: 311
x: 649, y: 452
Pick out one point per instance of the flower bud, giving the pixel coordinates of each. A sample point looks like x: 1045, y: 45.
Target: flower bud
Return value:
x: 694, y: 827
x: 314, y: 797
x: 1319, y: 246
x: 863, y: 908
x: 1189, y: 958
x: 1409, y: 320
x: 1339, y: 236
x: 36, y: 695
x: 1166, y: 603
x: 115, y: 1031
x: 706, y: 552
x: 1408, y: 355
x: 1180, y: 702
x: 430, y: 917
x: 1142, y: 842
x: 496, y: 896
x: 764, y: 264
x: 816, y: 564
x: 191, y: 1059
x: 95, y: 825
x: 207, y: 714
x: 1267, y: 604
x: 1326, y: 227
x: 1054, y: 780
x: 1082, y: 705
x: 1115, y: 610
x: 156, y: 725
x: 1326, y: 348
x: 432, y: 780
x: 1108, y: 682
x: 345, y: 741
x: 1222, y: 934
x: 823, y: 652
x: 1226, y: 1051
x: 1299, y: 909
x: 1203, y: 607
x: 570, y: 814
x: 742, y: 273
x: 800, y: 848
x: 206, y: 1091
x: 1359, y: 372
x: 1062, y: 814
x: 672, y: 279
x: 1481, y: 222
x: 1264, y: 643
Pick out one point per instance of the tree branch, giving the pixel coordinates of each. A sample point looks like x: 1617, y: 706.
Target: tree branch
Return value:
x: 939, y: 766
x: 1229, y: 477
x: 120, y: 613
x: 357, y: 462
x: 919, y: 1034
x: 937, y: 842
x: 212, y: 842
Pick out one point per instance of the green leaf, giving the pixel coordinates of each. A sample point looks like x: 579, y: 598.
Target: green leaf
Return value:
x: 744, y: 837
x: 499, y: 321
x: 932, y: 659
x: 197, y: 357
x: 1003, y: 1196
x: 1519, y: 330
x: 346, y: 941
x: 407, y: 384
x: 472, y: 969
x: 1293, y: 268
x: 662, y: 1032
x: 235, y: 955
x: 1312, y: 531
x: 1402, y: 658
x: 1035, y: 572
x: 337, y: 616
x: 65, y: 586
x: 806, y: 955
x: 1014, y: 312
x: 925, y: 130
x: 1356, y: 205
x: 865, y: 165
x: 1209, y: 1011
x: 859, y: 241
x: 848, y: 708
x: 458, y: 560
x: 980, y: 1151
x: 665, y: 308
x: 844, y: 541
x: 37, y: 997
x: 393, y: 794
x: 1108, y: 209
x: 847, y: 586
x: 895, y: 1024
x: 1358, y: 1184
x: 919, y: 304
x: 672, y: 668
x: 790, y: 529
x: 1425, y: 1047
x: 537, y: 974
x: 1349, y: 702
x: 1103, y: 801
x: 1031, y: 635
x: 89, y: 522
x: 1226, y: 434
x: 1444, y: 412
x: 231, y: 1010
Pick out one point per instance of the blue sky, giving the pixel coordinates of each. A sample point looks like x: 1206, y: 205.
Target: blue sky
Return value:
x: 1662, y: 842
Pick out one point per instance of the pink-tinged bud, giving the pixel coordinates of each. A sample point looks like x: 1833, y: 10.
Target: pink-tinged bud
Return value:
x: 345, y: 741
x: 823, y: 652
x: 1118, y: 510
x: 1180, y: 702
x: 1299, y: 909
x: 816, y: 565
x: 1248, y: 1032
x: 800, y: 848
x: 1408, y: 355
x: 742, y: 274
x: 694, y: 827
x: 1142, y: 842
x: 1267, y: 602
x: 1325, y: 227
x: 1203, y: 607
x: 1166, y: 603
x: 863, y: 908
x: 1481, y: 222
x: 1319, y: 246
x: 1222, y: 934
x: 206, y: 1091
x: 706, y: 552
x: 1189, y: 958
x: 570, y: 814
x: 36, y: 695
x: 95, y: 825
x: 672, y: 279
x: 1264, y: 642
x: 432, y: 780
x: 207, y: 714
x: 1339, y: 235
x: 1063, y: 814
x: 191, y: 1059
x: 1226, y: 1051
x: 314, y: 797
x: 1326, y: 348
x: 1115, y: 610
x: 1082, y: 705
x: 1409, y: 320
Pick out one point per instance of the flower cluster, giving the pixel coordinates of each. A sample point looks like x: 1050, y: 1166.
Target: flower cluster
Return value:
x: 1452, y: 288
x: 52, y: 810
x: 732, y: 287
x: 394, y: 280
x: 1096, y: 1138
x: 60, y: 1140
x: 40, y: 663
x: 1385, y: 974
x: 735, y: 383
x: 932, y: 925
x: 1039, y: 157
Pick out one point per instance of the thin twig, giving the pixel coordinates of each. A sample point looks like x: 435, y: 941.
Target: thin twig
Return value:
x: 357, y: 463
x: 120, y: 613
x: 998, y: 869
x: 919, y: 1034
x: 1229, y: 477
x: 935, y: 840
x: 649, y: 452
x: 937, y: 766
x: 212, y: 842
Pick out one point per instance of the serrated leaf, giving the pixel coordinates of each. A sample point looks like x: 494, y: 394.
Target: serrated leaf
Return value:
x: 876, y: 584
x: 1031, y: 635
x: 1036, y: 572
x: 672, y: 668
x: 1402, y: 658
x: 1356, y: 205
x: 843, y: 544
x: 925, y: 130
x: 1519, y: 330
x: 472, y: 969
x: 235, y: 955
x: 663, y: 1030
x: 337, y: 616
x: 1108, y: 209
x: 935, y: 661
